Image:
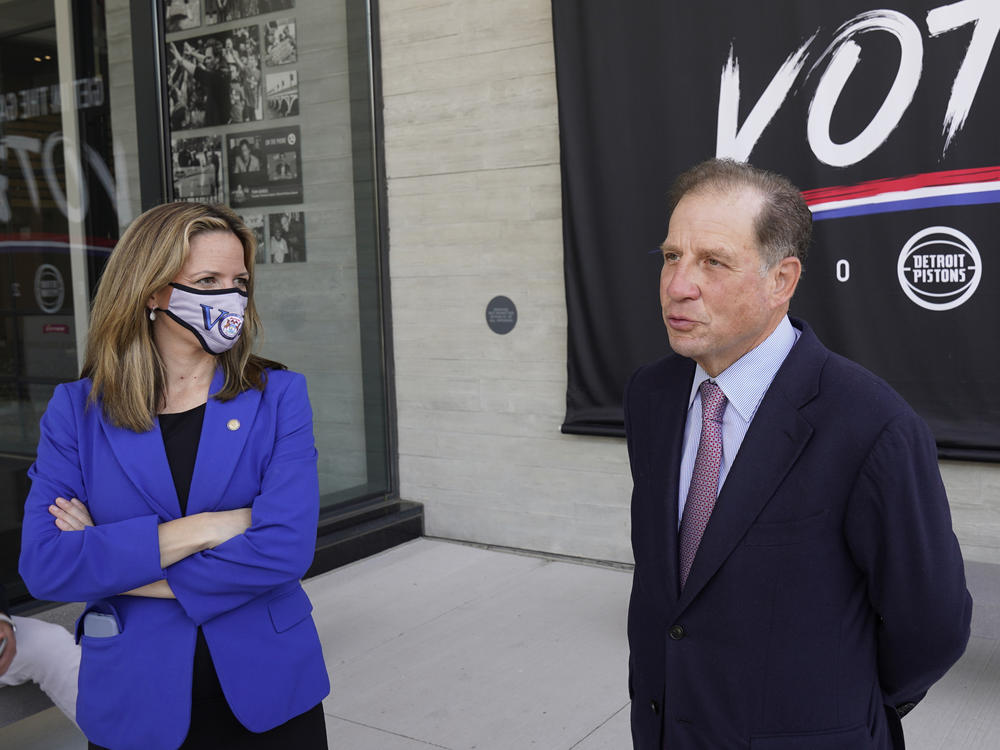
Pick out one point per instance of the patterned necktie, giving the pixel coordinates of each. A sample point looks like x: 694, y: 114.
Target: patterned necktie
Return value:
x: 705, y: 477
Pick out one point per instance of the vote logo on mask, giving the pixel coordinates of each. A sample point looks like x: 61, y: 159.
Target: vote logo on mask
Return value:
x: 215, y: 317
x: 229, y: 324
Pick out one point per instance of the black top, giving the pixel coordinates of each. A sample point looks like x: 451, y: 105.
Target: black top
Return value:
x: 181, y: 434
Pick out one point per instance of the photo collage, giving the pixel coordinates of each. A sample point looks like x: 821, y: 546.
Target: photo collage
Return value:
x: 223, y: 80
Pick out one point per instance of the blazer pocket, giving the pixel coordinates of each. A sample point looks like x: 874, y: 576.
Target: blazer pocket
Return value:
x: 289, y: 609
x: 855, y: 738
x: 106, y: 608
x: 786, y: 532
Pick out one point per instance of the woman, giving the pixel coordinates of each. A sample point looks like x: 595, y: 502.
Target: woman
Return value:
x: 176, y: 492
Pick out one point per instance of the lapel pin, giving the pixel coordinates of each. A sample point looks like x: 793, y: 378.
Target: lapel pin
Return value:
x: 233, y: 425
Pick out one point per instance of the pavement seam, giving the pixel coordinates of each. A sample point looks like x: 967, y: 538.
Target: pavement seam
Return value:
x: 592, y: 731
x: 387, y: 731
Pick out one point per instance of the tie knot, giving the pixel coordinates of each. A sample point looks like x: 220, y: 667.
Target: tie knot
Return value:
x: 713, y: 401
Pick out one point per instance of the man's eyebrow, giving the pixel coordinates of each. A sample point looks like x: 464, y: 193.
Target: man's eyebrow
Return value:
x: 719, y: 251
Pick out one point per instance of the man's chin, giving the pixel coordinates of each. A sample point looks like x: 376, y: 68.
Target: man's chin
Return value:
x: 683, y: 345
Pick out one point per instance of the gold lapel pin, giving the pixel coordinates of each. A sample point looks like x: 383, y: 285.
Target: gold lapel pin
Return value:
x: 233, y: 425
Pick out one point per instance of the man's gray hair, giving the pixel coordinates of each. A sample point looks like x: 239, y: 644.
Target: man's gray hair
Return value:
x: 784, y: 224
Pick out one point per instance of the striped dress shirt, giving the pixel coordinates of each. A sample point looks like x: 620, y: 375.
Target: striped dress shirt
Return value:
x: 744, y: 382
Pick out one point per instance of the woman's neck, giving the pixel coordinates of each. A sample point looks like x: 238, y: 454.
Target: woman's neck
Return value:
x: 189, y: 375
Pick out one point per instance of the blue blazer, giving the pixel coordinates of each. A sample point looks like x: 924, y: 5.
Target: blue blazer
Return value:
x: 135, y: 688
x: 828, y: 589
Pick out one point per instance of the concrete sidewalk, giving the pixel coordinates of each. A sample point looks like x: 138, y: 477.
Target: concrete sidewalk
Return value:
x: 441, y: 645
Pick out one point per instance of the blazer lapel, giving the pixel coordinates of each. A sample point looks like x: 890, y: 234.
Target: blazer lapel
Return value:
x: 224, y: 435
x: 772, y: 445
x: 144, y: 460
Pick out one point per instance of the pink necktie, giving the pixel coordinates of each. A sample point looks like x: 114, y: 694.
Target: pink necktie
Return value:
x: 705, y: 477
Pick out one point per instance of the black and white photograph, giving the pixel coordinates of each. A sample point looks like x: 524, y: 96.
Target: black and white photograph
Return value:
x: 197, y: 169
x: 287, y: 241
x: 221, y: 11
x: 264, y: 167
x: 282, y: 165
x: 245, y: 157
x: 280, y: 46
x: 282, y: 90
x: 180, y: 15
x: 255, y: 223
x: 215, y: 79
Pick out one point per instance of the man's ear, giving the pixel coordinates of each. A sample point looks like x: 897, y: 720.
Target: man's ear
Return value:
x: 785, y: 277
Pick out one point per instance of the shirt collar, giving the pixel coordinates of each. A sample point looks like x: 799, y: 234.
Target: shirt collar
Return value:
x: 747, y: 379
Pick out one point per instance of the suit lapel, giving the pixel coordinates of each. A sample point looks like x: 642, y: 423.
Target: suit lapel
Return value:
x: 772, y: 445
x: 144, y: 460
x: 224, y: 435
x: 665, y: 425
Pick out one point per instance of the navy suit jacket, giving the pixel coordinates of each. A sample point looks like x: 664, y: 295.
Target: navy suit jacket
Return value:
x: 829, y: 588
x: 135, y: 688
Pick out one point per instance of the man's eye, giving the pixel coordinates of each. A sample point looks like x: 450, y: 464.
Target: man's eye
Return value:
x: 669, y: 257
x: 714, y: 262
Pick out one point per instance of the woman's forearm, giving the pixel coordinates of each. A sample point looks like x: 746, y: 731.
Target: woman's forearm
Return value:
x: 155, y: 590
x: 178, y: 539
x: 189, y: 535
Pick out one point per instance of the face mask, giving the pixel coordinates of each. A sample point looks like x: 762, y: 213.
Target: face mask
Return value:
x: 215, y: 317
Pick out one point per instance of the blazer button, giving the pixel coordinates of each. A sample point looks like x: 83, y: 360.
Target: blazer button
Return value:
x: 677, y: 632
x: 655, y: 707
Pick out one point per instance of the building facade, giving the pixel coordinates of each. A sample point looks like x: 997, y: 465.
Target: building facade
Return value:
x: 409, y: 146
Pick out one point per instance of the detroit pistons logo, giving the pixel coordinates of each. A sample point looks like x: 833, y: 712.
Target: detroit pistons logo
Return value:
x: 939, y: 268
x: 229, y: 324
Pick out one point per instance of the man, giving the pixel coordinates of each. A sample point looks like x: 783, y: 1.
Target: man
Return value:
x: 212, y: 75
x: 38, y: 651
x: 246, y: 160
x: 797, y: 583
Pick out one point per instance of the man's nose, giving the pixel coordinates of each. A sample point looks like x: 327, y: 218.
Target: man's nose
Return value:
x: 679, y: 283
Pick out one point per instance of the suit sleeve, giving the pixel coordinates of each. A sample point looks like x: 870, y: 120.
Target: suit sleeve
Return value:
x: 899, y: 531
x: 280, y: 543
x: 97, y: 562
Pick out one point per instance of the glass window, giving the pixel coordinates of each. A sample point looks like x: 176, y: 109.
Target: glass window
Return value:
x: 67, y: 129
x: 270, y: 112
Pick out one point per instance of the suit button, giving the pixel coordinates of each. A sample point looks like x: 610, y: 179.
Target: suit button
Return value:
x: 677, y: 632
x: 655, y: 707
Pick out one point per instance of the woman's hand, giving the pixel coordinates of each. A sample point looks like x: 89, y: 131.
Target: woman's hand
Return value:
x: 71, y: 515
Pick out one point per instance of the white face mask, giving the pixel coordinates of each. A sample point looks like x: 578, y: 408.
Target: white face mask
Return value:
x: 215, y: 317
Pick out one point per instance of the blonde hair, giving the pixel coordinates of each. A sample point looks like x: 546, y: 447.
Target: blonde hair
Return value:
x: 121, y: 360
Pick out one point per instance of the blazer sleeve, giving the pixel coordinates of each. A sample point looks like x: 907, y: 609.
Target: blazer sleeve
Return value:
x: 899, y: 530
x: 278, y: 546
x: 69, y: 566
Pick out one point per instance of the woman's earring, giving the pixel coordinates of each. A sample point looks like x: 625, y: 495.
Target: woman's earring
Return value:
x: 152, y: 314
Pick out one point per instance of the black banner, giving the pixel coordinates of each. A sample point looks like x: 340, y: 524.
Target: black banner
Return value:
x: 882, y: 116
